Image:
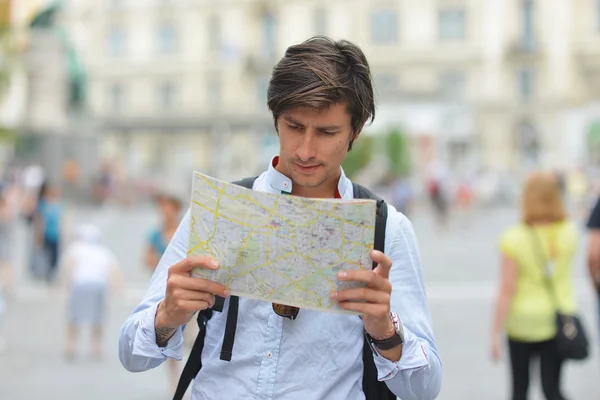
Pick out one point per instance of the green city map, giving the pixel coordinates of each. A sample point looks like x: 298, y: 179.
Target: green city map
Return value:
x: 276, y: 247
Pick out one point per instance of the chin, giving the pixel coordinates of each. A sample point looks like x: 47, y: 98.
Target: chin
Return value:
x: 308, y: 181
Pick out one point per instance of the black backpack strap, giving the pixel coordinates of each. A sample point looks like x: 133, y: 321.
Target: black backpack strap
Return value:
x: 230, y: 327
x: 372, y: 387
x: 194, y: 362
x: 361, y: 192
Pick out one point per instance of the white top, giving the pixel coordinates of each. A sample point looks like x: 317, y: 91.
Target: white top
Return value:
x: 91, y: 263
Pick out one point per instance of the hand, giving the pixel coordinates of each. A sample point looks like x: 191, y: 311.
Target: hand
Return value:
x: 495, y: 347
x: 186, y: 295
x: 373, y: 301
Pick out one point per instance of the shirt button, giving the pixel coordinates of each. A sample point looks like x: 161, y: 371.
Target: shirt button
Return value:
x: 269, y: 355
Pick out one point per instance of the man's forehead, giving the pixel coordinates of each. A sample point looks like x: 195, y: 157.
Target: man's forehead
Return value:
x: 336, y: 114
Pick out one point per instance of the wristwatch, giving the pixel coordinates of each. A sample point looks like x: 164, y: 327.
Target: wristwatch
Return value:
x: 388, y: 343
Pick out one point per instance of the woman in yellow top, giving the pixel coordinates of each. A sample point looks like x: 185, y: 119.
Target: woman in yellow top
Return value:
x: 525, y: 309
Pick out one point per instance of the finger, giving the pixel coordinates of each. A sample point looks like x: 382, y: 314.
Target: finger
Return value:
x: 191, y: 262
x: 372, y: 310
x: 372, y: 279
x: 185, y: 294
x: 192, y: 305
x: 198, y: 285
x: 384, y: 263
x: 362, y: 294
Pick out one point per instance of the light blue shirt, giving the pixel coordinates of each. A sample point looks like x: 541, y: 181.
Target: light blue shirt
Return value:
x: 318, y: 356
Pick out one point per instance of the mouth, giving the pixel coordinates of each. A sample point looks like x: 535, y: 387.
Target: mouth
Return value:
x: 307, y: 169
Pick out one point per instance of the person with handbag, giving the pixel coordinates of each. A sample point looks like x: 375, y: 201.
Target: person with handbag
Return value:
x: 536, y: 305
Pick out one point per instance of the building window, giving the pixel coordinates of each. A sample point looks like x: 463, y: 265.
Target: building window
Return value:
x: 452, y: 23
x: 384, y: 26
x: 526, y: 79
x: 115, y: 3
x: 116, y: 98
x: 214, y: 33
x: 214, y: 91
x: 167, y: 96
x: 166, y: 37
x: 528, y: 142
x: 385, y: 83
x: 262, y: 85
x: 598, y: 15
x: 527, y: 21
x: 115, y: 41
x: 453, y: 85
x: 320, y: 20
x: 269, y: 35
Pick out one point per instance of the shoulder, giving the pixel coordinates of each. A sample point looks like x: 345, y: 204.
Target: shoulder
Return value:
x: 512, y: 237
x: 568, y: 229
x: 513, y: 232
x: 398, y: 227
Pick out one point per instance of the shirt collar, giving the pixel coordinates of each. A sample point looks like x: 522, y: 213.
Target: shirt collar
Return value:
x: 282, y: 183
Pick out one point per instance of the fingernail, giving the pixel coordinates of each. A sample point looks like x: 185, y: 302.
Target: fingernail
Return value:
x: 227, y: 292
x: 342, y: 274
x: 215, y: 263
x: 334, y: 295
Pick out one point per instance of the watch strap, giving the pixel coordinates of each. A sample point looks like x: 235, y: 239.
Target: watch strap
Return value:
x: 385, y: 344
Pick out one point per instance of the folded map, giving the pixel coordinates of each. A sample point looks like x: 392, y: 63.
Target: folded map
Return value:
x: 276, y: 247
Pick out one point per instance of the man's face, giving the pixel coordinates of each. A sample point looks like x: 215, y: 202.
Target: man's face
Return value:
x: 313, y: 144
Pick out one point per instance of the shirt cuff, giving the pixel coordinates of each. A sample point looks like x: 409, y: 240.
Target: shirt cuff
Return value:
x: 144, y: 343
x: 413, y: 357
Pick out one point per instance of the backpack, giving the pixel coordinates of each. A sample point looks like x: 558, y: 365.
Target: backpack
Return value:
x: 372, y: 387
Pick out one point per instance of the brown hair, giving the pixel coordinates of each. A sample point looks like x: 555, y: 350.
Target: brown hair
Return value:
x: 170, y: 199
x: 319, y: 73
x: 542, y: 200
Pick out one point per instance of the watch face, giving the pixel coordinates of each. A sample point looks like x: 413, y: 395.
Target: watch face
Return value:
x: 397, y: 325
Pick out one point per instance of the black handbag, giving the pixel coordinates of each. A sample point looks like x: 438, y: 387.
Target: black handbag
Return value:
x: 571, y: 339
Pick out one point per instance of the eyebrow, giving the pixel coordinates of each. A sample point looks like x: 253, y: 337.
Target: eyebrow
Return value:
x: 320, y: 128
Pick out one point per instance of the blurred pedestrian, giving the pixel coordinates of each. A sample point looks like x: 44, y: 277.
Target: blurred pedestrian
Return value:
x: 169, y: 208
x: 47, y: 229
x: 6, y: 241
x: 90, y: 271
x: 536, y: 281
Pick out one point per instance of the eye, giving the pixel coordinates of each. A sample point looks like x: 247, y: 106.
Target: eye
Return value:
x: 293, y: 127
x: 329, y: 133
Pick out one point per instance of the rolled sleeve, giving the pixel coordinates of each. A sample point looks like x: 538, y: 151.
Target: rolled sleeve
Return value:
x: 418, y: 373
x: 144, y: 343
x: 413, y: 357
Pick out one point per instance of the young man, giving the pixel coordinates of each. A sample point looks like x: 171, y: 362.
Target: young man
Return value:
x: 320, y: 95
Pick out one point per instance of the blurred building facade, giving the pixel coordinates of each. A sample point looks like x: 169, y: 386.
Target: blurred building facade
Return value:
x: 178, y: 85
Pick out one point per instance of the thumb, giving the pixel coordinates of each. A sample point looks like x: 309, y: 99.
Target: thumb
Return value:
x: 384, y: 263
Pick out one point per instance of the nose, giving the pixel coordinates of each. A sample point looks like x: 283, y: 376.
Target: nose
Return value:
x: 307, y: 149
